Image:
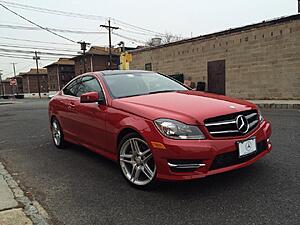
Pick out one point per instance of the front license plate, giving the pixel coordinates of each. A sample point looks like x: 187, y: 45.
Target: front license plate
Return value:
x: 247, y: 147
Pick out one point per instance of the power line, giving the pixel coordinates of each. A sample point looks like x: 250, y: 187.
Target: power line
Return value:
x: 36, y: 41
x: 134, y: 32
x: 42, y: 53
x: 38, y: 47
x: 56, y: 12
x: 78, y: 15
x: 19, y: 70
x: 129, y: 38
x: 136, y: 27
x: 24, y: 55
x: 56, y: 34
x: 20, y: 27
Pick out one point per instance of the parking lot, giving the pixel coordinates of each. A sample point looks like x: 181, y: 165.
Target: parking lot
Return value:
x: 76, y: 186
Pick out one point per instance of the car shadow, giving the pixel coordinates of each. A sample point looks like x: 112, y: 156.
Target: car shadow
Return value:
x: 235, y: 179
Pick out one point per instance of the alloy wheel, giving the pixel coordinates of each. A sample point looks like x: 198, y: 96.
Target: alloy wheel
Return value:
x: 56, y: 133
x: 137, y: 162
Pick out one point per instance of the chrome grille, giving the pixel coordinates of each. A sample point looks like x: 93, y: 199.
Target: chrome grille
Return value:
x: 226, y: 125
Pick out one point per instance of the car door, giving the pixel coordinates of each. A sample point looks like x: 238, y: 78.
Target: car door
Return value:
x: 68, y: 114
x: 92, y: 116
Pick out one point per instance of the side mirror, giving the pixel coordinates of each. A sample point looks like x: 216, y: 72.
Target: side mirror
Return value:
x: 91, y: 97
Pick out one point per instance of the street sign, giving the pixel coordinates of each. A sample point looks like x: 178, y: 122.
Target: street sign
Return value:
x: 13, y: 82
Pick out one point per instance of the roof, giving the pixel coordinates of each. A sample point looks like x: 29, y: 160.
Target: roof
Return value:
x: 115, y: 72
x: 62, y: 61
x: 225, y: 32
x: 42, y: 71
x: 98, y: 50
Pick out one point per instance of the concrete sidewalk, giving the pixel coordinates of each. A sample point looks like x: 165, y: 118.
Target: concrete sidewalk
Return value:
x: 277, y: 104
x: 15, y: 207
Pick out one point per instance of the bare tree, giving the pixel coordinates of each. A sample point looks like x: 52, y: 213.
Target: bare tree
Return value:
x: 165, y: 39
x: 169, y: 37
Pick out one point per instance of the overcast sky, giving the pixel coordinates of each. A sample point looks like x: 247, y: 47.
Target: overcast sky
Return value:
x: 184, y: 18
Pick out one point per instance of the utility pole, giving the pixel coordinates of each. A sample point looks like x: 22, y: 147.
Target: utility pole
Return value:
x: 83, y: 46
x: 1, y: 82
x: 14, y: 70
x: 110, y: 28
x: 36, y: 58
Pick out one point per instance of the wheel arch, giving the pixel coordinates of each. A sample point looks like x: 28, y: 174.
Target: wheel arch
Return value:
x: 124, y: 132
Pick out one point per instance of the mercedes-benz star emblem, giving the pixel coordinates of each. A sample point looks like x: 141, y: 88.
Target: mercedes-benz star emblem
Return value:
x: 248, y: 146
x: 242, y: 124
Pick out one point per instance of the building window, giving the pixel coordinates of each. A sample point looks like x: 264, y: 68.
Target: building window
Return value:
x: 148, y: 66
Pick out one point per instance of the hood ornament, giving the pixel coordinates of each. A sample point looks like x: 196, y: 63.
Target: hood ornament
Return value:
x: 232, y: 107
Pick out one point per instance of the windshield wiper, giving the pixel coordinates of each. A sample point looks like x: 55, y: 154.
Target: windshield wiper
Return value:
x: 162, y: 91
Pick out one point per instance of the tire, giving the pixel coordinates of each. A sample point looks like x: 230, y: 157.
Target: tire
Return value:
x: 57, y: 134
x: 136, y: 161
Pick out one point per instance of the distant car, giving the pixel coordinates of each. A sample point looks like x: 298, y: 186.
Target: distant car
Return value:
x: 156, y: 128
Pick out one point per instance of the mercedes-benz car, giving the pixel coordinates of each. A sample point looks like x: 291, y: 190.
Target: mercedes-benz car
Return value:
x: 156, y: 128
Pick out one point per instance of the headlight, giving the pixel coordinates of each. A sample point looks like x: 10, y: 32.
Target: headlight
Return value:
x: 178, y: 130
x: 261, y: 118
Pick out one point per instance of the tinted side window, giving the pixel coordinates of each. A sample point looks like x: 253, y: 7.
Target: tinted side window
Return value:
x: 72, y: 88
x: 88, y: 84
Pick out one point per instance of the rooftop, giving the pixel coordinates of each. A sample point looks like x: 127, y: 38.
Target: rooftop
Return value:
x: 32, y: 71
x: 62, y: 61
x: 98, y: 50
x: 225, y: 32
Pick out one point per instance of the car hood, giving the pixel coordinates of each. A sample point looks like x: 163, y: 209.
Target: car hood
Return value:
x: 191, y: 107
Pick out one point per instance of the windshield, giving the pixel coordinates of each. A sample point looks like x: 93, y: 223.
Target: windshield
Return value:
x: 139, y: 83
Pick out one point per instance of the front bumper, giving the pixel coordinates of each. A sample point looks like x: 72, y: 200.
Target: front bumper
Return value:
x: 218, y: 155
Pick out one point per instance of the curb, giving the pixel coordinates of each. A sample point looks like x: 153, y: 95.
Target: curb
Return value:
x: 278, y: 106
x: 32, y: 209
x: 6, y: 103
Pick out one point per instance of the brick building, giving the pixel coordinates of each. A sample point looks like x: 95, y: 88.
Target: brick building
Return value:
x: 96, y: 59
x: 259, y: 61
x: 5, y: 88
x: 60, y: 73
x: 30, y: 82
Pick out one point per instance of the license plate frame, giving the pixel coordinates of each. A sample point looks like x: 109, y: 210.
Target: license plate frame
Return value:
x: 247, y: 147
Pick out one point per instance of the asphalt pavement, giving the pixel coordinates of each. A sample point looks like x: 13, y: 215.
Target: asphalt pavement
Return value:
x: 78, y: 187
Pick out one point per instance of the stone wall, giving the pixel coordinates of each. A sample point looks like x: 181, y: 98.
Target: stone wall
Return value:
x: 261, y: 63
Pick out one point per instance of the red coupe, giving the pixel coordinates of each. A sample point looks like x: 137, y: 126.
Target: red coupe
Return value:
x: 156, y: 128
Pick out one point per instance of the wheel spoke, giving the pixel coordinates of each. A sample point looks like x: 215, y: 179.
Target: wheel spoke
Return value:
x: 147, y: 171
x: 146, y: 152
x: 129, y: 156
x: 135, y: 146
x: 127, y: 161
x: 146, y: 159
x: 132, y: 146
x: 132, y: 171
x: 137, y: 174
